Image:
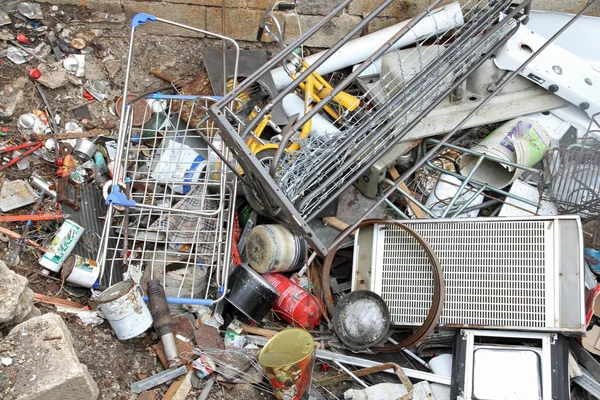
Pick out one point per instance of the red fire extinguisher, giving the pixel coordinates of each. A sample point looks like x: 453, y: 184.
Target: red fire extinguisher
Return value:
x: 295, y: 305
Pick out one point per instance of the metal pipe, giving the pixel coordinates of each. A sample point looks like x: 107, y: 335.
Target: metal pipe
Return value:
x: 482, y: 205
x: 414, y: 200
x: 462, y: 186
x: 469, y: 201
x: 346, y: 370
x: 481, y: 105
x: 161, y: 316
x: 486, y: 186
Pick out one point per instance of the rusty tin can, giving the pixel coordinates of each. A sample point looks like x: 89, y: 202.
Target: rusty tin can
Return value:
x: 295, y: 305
x: 80, y: 271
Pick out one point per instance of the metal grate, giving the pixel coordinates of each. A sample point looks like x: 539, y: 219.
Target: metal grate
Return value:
x: 518, y: 273
x: 490, y: 279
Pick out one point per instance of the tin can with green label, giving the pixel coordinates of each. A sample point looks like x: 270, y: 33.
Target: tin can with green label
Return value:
x: 62, y: 245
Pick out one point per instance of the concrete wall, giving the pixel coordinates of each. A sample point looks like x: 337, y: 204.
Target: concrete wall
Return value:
x: 243, y: 16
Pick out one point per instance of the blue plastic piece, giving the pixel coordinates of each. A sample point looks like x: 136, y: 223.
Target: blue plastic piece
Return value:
x: 183, y: 300
x: 118, y: 198
x: 190, y: 173
x: 141, y: 18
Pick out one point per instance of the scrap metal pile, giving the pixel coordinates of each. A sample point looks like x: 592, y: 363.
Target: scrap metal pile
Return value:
x: 427, y: 194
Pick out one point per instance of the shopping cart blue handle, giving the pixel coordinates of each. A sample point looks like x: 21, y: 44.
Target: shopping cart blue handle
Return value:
x: 118, y: 198
x: 141, y: 18
x: 183, y: 300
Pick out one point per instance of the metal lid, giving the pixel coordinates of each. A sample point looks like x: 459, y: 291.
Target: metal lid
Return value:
x: 286, y: 348
x: 361, y: 320
x: 115, y: 291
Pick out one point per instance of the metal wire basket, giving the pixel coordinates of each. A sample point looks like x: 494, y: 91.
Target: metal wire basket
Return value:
x: 574, y: 179
x: 307, y: 180
x: 171, y: 215
x: 180, y: 230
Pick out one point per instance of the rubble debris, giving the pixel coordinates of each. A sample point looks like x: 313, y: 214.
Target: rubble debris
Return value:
x: 16, y: 298
x: 52, y: 75
x: 37, y: 345
x: 225, y: 199
x: 155, y: 380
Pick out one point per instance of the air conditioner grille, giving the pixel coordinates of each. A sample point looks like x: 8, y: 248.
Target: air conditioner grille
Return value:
x: 495, y: 273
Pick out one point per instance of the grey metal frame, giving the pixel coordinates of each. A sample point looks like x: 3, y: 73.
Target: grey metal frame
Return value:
x: 267, y: 187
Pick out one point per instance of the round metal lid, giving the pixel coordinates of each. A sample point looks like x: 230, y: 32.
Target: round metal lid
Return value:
x: 361, y: 320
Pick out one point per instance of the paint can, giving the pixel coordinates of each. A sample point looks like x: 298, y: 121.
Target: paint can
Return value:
x: 521, y: 141
x: 295, y: 305
x: 273, y: 248
x: 123, y: 306
x: 62, y: 245
x: 251, y: 293
x: 361, y: 320
x: 288, y: 359
x: 80, y: 271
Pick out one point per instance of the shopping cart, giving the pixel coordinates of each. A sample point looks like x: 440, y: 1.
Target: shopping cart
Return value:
x: 449, y: 43
x: 171, y: 201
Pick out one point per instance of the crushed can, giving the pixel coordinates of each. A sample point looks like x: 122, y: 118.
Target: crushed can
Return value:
x: 295, y: 305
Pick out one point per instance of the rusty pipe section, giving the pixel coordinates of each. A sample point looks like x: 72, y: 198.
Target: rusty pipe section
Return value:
x: 161, y: 317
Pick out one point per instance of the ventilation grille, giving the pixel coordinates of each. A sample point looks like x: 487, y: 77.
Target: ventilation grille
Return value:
x: 496, y: 272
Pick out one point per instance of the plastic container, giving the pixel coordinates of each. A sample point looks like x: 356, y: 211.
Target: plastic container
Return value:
x: 181, y: 283
x: 62, y: 245
x: 123, y: 306
x: 445, y: 190
x: 80, y: 271
x: 251, y: 293
x: 273, y: 248
x: 521, y: 141
x: 288, y: 360
x: 295, y: 305
x: 442, y: 365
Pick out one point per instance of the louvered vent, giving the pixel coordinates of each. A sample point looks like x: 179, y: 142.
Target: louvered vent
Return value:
x: 498, y: 273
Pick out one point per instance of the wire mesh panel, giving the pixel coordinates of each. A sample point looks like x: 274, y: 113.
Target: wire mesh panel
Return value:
x: 419, y: 76
x: 498, y: 273
x: 181, y: 227
x: 306, y: 180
